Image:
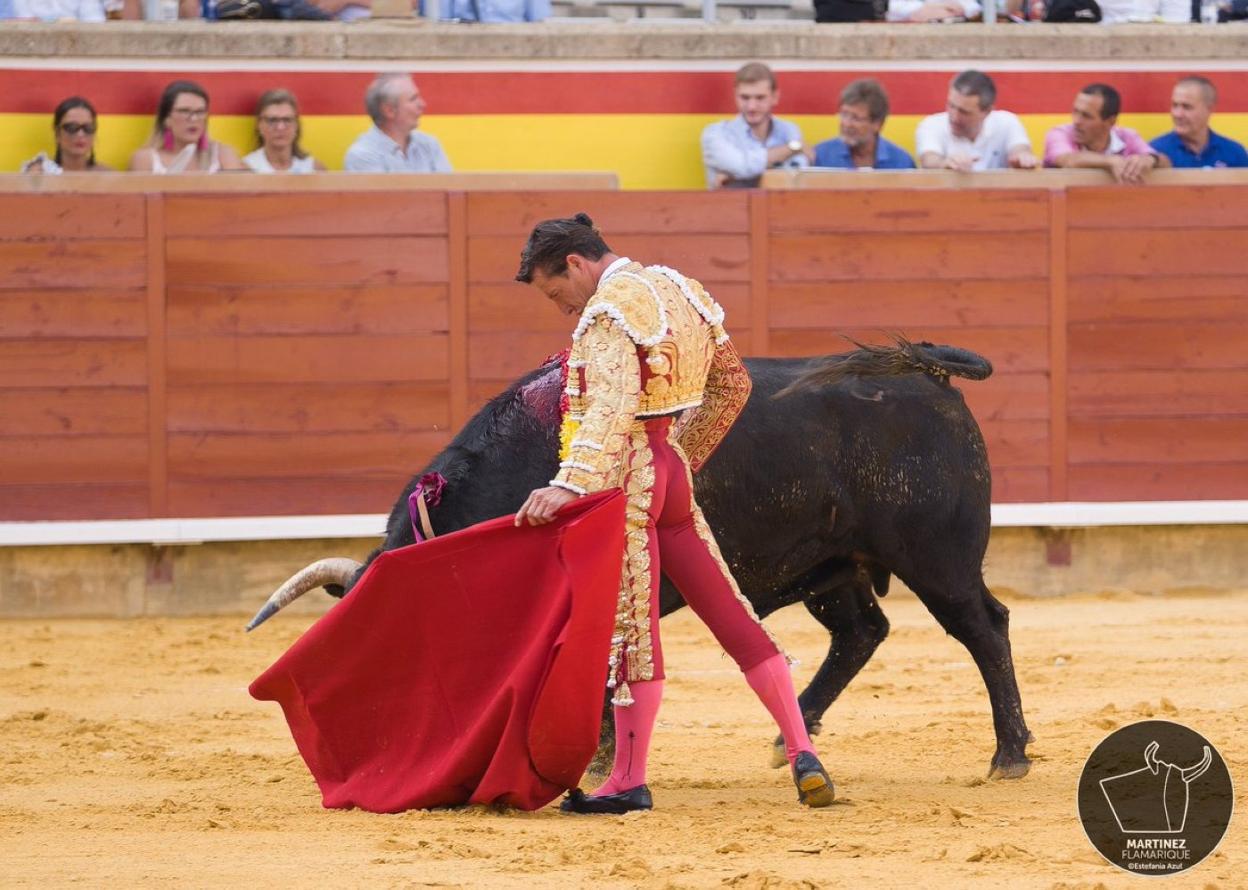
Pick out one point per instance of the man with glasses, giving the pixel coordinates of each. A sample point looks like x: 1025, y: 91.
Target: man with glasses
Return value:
x: 863, y: 110
x: 392, y: 144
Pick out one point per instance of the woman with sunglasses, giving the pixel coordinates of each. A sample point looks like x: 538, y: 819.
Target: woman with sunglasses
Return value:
x: 180, y: 143
x: 74, y: 125
x: 277, y: 128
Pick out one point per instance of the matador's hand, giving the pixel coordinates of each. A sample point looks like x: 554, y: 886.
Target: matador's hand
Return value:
x: 543, y: 504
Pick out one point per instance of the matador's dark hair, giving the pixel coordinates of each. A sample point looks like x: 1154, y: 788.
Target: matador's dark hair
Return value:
x: 553, y: 240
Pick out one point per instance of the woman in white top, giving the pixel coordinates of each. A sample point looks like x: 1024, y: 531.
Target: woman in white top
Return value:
x: 180, y: 143
x: 277, y: 128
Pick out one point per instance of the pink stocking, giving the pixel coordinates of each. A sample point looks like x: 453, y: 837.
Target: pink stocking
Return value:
x: 772, y: 682
x: 633, y: 726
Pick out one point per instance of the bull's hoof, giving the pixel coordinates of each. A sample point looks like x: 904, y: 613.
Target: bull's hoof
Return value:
x: 600, y: 767
x: 1004, y: 768
x: 778, y: 756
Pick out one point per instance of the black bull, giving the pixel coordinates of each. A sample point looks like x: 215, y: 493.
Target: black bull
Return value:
x: 871, y: 466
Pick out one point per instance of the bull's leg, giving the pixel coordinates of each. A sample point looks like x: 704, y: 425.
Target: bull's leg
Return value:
x: 982, y: 624
x: 853, y: 617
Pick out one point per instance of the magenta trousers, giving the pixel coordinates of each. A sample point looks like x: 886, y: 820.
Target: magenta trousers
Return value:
x: 682, y: 546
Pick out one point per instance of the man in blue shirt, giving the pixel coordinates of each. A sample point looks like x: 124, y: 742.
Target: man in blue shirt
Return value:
x: 1191, y: 143
x: 863, y: 110
x: 736, y: 152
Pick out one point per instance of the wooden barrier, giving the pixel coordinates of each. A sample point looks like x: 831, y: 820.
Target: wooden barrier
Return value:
x: 292, y: 352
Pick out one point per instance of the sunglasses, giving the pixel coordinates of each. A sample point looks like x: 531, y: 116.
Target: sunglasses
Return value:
x: 75, y: 129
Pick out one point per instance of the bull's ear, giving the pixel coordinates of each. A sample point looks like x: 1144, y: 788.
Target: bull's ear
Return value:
x: 337, y: 591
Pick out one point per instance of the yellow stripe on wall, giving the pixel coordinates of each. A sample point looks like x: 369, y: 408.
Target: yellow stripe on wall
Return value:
x: 647, y: 151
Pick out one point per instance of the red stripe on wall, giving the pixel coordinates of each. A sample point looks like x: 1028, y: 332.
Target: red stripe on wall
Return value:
x: 661, y: 92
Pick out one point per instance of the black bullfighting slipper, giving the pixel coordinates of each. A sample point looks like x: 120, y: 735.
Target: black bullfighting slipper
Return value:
x: 814, y: 788
x: 628, y: 801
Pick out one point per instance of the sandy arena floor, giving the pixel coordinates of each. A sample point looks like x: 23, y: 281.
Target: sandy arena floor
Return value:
x: 130, y: 753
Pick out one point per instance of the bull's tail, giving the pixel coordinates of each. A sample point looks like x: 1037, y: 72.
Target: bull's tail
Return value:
x: 941, y: 362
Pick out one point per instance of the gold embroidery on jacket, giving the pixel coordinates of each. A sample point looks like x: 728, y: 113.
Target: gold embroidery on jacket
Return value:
x: 728, y: 388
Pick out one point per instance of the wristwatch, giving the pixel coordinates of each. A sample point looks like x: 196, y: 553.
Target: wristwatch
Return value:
x: 795, y: 145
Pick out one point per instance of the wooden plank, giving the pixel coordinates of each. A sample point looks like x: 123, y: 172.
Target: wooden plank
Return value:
x: 310, y: 359
x: 282, y: 455
x: 1011, y: 350
x: 92, y: 262
x: 88, y: 312
x: 1169, y: 393
x: 69, y: 362
x: 494, y: 259
x: 938, y: 255
x: 93, y: 500
x: 157, y: 370
x: 74, y: 411
x: 341, y: 213
x: 457, y: 345
x: 496, y: 355
x: 760, y: 296
x: 1136, y: 251
x: 1059, y: 364
x: 1194, y: 440
x: 1162, y: 297
x: 30, y: 460
x: 890, y: 304
x: 514, y: 214
x: 1159, y: 482
x: 309, y: 408
x: 1166, y: 207
x: 70, y: 217
x: 908, y: 210
x: 1016, y: 443
x: 319, y: 261
x: 1142, y: 347
x: 518, y: 307
x: 310, y: 309
x: 1020, y: 485
x: 310, y: 496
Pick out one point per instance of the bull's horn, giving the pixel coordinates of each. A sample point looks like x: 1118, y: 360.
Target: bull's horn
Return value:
x: 335, y: 570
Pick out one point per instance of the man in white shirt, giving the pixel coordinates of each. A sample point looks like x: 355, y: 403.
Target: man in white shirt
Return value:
x: 970, y: 134
x: 392, y: 144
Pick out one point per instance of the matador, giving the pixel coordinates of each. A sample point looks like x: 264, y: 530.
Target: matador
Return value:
x: 650, y: 347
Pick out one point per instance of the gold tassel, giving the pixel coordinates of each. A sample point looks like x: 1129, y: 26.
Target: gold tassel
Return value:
x: 623, y: 696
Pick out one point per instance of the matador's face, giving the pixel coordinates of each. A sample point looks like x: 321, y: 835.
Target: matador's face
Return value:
x: 571, y: 289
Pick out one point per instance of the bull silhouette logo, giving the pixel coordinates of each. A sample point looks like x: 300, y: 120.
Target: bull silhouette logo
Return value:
x: 1164, y: 815
x: 1153, y: 799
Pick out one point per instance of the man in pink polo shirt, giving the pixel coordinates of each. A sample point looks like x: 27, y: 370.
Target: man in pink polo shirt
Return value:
x: 1092, y: 140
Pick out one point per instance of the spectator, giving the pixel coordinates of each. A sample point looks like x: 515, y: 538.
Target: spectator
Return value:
x: 496, y: 10
x: 736, y: 152
x: 933, y: 10
x: 1191, y: 143
x: 1092, y: 140
x: 392, y: 144
x: 863, y: 110
x: 53, y: 10
x: 180, y: 143
x: 73, y: 125
x: 278, y: 129
x: 970, y: 134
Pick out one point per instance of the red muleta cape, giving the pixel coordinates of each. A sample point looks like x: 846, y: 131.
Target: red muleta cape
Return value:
x: 466, y: 669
